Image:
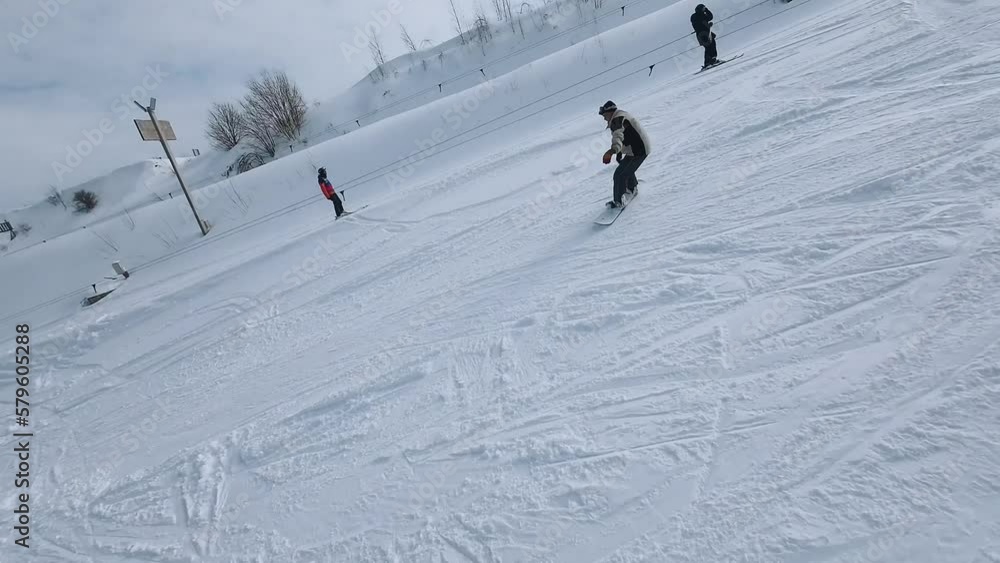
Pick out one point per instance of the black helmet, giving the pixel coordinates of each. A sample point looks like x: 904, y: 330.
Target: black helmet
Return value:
x: 322, y: 172
x: 699, y: 8
x: 608, y: 106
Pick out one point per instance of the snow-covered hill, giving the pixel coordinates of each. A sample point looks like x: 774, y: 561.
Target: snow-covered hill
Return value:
x: 380, y: 158
x: 119, y: 194
x: 417, y: 78
x: 402, y: 84
x: 784, y: 350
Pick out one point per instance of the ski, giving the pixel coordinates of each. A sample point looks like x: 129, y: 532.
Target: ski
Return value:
x: 719, y: 63
x: 610, y: 214
x: 346, y: 213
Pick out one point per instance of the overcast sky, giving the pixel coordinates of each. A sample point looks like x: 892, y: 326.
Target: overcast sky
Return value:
x: 69, y: 67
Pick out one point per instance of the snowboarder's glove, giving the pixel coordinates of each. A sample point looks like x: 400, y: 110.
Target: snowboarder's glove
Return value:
x: 607, y: 157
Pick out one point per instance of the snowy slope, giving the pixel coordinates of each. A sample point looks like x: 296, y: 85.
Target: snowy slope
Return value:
x: 785, y: 350
x: 398, y: 152
x: 404, y: 83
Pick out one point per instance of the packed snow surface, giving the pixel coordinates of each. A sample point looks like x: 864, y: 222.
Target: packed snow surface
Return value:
x: 785, y: 350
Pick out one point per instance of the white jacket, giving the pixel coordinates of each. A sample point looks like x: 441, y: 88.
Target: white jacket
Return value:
x: 627, y: 135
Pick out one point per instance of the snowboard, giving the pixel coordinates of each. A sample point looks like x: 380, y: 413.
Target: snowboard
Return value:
x: 609, y: 214
x: 719, y: 63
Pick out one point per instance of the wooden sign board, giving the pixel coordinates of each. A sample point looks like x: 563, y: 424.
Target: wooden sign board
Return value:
x: 148, y: 132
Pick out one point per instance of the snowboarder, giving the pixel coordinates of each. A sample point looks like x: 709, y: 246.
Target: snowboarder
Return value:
x: 701, y: 21
x: 330, y: 193
x: 631, y: 145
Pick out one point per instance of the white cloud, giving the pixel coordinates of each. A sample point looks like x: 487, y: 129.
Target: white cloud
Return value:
x: 62, y: 78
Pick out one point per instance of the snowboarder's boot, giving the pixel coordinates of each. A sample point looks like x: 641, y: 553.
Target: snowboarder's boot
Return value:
x: 613, y: 204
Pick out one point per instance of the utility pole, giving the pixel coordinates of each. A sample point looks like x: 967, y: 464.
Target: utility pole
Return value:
x: 142, y: 125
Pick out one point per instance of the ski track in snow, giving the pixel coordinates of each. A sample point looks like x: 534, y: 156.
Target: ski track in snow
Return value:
x: 786, y: 351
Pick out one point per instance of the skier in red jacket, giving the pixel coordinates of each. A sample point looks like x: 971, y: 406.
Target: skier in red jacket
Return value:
x: 330, y: 193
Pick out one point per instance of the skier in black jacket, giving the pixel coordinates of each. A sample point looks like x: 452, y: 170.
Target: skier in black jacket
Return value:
x: 701, y: 21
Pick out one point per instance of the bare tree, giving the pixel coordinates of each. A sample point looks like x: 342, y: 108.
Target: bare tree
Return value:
x: 407, y: 40
x: 539, y: 24
x: 498, y: 8
x: 273, y: 104
x: 226, y: 126
x: 457, y: 21
x: 249, y: 161
x: 378, y: 54
x: 508, y: 15
x: 504, y: 11
x: 481, y: 30
x: 520, y: 22
x: 261, y: 135
x: 55, y: 198
x: 261, y: 128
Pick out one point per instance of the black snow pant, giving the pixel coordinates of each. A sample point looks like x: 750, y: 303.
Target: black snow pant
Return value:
x: 625, y: 179
x: 708, y: 42
x: 337, y: 205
